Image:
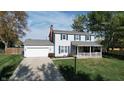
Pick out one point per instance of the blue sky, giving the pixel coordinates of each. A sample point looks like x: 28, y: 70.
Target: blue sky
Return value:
x: 39, y: 22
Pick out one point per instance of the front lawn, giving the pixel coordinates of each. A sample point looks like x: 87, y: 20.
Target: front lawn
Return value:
x: 92, y: 69
x: 8, y: 64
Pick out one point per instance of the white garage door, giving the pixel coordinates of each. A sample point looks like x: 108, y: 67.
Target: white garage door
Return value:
x: 37, y: 52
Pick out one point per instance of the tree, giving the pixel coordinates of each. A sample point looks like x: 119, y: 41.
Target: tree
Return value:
x: 108, y: 25
x: 79, y: 23
x: 12, y: 26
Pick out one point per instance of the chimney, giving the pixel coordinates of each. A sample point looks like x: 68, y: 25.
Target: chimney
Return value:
x: 51, y: 33
x: 51, y: 28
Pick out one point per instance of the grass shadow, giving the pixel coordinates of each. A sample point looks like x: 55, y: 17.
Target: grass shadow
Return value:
x: 46, y: 72
x: 7, y: 71
x: 69, y: 74
x: 50, y: 72
x: 24, y: 72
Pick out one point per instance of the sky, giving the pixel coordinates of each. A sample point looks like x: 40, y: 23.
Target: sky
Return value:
x: 39, y: 22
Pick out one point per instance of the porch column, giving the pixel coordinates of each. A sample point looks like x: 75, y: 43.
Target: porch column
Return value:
x: 90, y: 50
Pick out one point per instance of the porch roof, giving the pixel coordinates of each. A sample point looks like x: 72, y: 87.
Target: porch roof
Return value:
x: 81, y: 43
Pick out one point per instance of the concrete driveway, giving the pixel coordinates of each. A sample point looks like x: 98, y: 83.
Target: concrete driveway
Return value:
x: 36, y: 69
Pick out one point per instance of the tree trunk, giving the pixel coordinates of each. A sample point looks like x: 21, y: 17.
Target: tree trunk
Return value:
x: 6, y: 45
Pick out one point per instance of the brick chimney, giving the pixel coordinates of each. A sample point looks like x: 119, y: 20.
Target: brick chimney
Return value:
x: 51, y: 33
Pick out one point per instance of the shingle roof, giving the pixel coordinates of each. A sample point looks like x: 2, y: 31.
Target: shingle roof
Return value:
x: 81, y: 43
x: 70, y: 32
x: 36, y: 42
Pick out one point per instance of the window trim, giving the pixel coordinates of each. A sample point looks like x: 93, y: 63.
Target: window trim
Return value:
x: 63, y: 49
x: 66, y: 49
x: 89, y: 37
x: 77, y: 37
x: 65, y: 36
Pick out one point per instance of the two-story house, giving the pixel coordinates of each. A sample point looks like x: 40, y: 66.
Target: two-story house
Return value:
x: 65, y: 43
x: 81, y: 44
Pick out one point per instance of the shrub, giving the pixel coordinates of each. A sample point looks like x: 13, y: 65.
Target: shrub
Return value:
x: 1, y: 51
x: 51, y: 55
x: 116, y: 54
x: 70, y: 55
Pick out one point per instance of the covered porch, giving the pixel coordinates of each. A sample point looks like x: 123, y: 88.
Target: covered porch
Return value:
x: 87, y: 49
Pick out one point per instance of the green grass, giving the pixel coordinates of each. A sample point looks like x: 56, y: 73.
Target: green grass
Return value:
x: 8, y: 64
x: 92, y: 69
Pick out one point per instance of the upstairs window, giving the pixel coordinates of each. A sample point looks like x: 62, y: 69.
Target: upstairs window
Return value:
x: 87, y: 37
x: 77, y: 37
x: 64, y: 37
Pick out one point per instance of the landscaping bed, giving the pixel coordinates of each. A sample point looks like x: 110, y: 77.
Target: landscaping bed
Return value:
x: 8, y: 64
x: 110, y: 69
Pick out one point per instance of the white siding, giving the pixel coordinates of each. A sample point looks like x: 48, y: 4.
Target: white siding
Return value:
x: 59, y: 42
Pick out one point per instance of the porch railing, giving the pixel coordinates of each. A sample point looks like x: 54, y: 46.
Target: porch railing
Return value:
x: 90, y: 54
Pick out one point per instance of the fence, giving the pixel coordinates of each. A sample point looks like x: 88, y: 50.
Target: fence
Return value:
x: 14, y: 51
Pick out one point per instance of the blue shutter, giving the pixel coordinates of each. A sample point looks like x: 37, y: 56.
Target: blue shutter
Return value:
x: 85, y: 37
x: 79, y: 37
x: 68, y: 49
x: 66, y: 36
x: 59, y: 49
x: 61, y: 36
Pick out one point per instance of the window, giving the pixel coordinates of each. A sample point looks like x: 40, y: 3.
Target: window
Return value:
x: 81, y: 49
x: 95, y: 49
x: 77, y: 37
x: 63, y: 49
x: 64, y: 37
x: 86, y: 49
x: 66, y: 50
x: 87, y: 37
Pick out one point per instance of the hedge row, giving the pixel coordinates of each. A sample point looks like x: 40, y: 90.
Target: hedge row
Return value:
x: 116, y: 54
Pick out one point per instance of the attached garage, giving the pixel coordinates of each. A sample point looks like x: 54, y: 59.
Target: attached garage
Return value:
x: 37, y: 48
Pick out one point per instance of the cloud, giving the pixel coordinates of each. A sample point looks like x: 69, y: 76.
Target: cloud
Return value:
x: 39, y: 23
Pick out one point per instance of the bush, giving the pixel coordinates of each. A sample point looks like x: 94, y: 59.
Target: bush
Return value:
x: 70, y: 55
x: 116, y: 54
x: 1, y: 50
x: 7, y: 71
x: 51, y: 55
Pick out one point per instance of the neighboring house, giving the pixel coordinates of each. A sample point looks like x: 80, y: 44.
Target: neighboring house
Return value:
x: 65, y: 43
